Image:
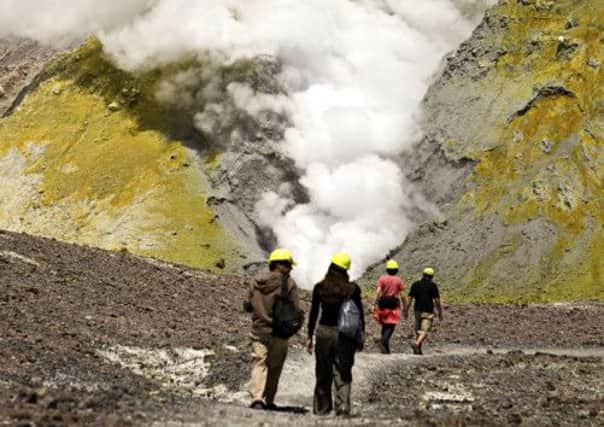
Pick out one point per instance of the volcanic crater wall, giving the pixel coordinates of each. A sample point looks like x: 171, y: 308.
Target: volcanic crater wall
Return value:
x: 512, y: 155
x: 91, y: 154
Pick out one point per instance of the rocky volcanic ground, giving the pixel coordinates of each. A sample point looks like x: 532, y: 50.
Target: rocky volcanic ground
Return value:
x: 91, y: 337
x: 20, y: 62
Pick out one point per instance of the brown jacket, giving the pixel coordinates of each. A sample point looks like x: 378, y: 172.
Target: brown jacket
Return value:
x: 263, y: 292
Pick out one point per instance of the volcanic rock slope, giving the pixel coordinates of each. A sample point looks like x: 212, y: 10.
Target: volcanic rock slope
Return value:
x: 513, y: 156
x: 20, y: 62
x: 93, y: 154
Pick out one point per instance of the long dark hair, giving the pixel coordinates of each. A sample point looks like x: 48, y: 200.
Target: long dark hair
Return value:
x: 336, y: 286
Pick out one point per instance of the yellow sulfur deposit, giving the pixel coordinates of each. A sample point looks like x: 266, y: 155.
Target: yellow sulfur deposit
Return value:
x: 85, y: 158
x: 548, y: 162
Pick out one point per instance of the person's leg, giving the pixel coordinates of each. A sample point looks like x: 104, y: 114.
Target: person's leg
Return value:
x: 259, y: 371
x: 425, y: 326
x: 342, y: 394
x: 420, y: 340
x: 387, y: 331
x: 418, y: 323
x: 380, y: 342
x: 417, y: 327
x: 324, y: 359
x: 343, y: 374
x: 277, y: 352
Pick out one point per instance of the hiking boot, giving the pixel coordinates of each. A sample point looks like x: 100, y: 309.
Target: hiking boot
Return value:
x: 270, y: 407
x: 416, y: 349
x: 342, y: 412
x: 258, y: 404
x: 382, y: 348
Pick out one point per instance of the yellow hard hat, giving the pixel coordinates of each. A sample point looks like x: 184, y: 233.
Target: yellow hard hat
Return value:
x: 429, y: 271
x: 391, y: 265
x: 342, y: 260
x: 281, y: 254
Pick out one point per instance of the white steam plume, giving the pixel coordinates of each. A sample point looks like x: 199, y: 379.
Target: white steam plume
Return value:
x: 355, y: 72
x: 62, y: 22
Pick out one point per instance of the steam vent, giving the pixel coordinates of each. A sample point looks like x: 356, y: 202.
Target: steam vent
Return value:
x: 196, y: 159
x: 301, y: 213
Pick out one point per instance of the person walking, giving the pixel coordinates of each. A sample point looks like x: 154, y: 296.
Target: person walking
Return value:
x: 334, y: 351
x: 426, y: 296
x: 389, y: 299
x: 269, y: 350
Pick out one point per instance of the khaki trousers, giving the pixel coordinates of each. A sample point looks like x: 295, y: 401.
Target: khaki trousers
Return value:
x: 334, y: 360
x: 268, y: 357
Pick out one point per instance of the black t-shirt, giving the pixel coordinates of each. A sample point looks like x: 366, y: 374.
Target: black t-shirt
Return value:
x: 424, y: 292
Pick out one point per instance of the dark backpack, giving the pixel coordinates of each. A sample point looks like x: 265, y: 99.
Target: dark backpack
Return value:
x: 349, y: 319
x: 287, y: 319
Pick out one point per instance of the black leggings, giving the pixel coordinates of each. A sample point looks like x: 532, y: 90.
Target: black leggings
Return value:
x: 387, y: 331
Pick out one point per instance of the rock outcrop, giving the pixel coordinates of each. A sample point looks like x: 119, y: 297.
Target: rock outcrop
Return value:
x: 513, y: 158
x: 165, y: 163
x: 89, y: 156
x: 20, y: 62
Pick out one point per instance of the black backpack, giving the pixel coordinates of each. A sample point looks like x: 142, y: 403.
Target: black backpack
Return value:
x: 349, y: 319
x: 287, y: 319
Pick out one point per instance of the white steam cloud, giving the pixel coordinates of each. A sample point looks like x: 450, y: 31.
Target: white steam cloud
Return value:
x: 355, y: 73
x: 60, y: 22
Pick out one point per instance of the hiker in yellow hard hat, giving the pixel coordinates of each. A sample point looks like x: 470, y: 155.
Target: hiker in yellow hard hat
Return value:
x: 281, y: 255
x: 389, y: 299
x: 276, y: 314
x: 426, y: 296
x: 335, y: 345
x: 341, y: 260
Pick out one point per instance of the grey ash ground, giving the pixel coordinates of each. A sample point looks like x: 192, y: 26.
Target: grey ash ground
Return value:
x: 91, y: 337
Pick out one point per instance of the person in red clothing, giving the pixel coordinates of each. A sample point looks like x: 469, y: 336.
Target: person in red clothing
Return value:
x: 389, y: 299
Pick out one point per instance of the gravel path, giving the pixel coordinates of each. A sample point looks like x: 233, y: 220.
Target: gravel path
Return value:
x: 298, y: 378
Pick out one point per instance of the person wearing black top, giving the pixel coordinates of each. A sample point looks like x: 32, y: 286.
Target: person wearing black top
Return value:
x: 426, y: 296
x: 334, y: 352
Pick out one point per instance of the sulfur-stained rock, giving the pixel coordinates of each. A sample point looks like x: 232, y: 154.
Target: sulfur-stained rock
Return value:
x: 105, y: 179
x: 113, y: 106
x: 593, y: 63
x: 566, y: 48
x: 522, y: 146
x: 545, y: 145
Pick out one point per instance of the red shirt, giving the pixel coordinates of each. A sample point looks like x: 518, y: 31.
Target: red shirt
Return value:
x: 390, y: 285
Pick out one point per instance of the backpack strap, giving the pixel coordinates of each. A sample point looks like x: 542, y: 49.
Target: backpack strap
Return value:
x: 352, y: 290
x: 284, y: 293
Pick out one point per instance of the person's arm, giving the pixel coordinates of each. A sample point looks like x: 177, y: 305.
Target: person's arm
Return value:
x: 358, y: 300
x: 402, y: 297
x: 247, y: 302
x: 312, y: 317
x: 410, y: 300
x: 378, y: 294
x: 436, y: 298
x: 438, y: 308
x: 356, y: 297
x: 409, y: 304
